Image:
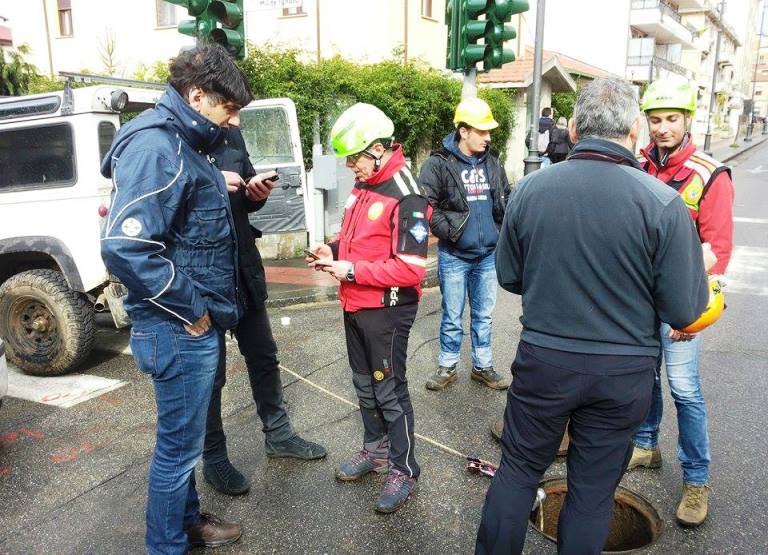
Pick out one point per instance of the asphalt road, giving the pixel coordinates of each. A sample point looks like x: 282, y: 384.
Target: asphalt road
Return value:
x: 73, y: 480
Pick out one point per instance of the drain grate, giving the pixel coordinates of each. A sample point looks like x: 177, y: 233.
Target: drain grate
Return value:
x: 636, y: 523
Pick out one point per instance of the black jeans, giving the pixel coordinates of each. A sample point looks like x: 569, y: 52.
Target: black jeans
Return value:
x: 377, y: 346
x: 606, y: 399
x: 257, y: 345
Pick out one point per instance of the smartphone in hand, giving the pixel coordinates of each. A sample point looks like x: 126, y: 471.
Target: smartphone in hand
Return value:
x: 310, y: 254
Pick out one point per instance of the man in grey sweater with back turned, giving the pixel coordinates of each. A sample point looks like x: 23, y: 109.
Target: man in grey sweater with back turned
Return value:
x: 597, y: 249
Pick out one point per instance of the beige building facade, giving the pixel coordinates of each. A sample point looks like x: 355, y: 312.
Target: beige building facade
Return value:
x: 103, y: 36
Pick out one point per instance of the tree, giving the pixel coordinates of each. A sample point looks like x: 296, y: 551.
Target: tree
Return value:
x: 16, y: 74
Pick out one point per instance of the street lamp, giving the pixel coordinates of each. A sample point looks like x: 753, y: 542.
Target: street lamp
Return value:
x: 750, y: 124
x: 533, y: 161
x: 713, y: 96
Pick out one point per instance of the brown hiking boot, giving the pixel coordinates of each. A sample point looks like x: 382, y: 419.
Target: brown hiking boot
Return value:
x: 441, y: 379
x: 488, y: 376
x: 693, y: 506
x: 648, y: 458
x: 211, y: 531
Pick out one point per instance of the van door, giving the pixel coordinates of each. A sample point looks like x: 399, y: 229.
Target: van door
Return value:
x: 271, y: 132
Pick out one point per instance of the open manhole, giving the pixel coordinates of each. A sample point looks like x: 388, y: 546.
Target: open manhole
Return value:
x: 635, y: 525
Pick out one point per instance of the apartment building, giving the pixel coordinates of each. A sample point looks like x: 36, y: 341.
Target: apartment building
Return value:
x: 107, y: 36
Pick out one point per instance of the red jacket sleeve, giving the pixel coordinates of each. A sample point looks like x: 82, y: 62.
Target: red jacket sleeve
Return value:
x: 410, y: 233
x: 716, y: 220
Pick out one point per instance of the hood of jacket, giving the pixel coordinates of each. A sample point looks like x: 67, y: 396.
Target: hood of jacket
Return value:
x: 173, y: 114
x: 451, y: 144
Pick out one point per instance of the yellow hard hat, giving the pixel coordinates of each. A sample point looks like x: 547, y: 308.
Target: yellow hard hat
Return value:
x: 476, y: 113
x: 714, y: 309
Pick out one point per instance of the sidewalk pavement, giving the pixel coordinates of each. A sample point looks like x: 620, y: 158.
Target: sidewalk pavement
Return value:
x: 291, y: 282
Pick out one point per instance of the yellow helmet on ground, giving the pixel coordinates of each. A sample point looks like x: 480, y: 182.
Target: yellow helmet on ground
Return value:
x: 476, y: 113
x: 714, y: 309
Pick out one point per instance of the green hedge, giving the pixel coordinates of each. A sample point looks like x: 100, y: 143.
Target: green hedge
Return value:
x: 420, y: 100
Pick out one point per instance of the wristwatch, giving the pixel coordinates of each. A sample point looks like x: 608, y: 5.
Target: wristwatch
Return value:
x: 351, y: 273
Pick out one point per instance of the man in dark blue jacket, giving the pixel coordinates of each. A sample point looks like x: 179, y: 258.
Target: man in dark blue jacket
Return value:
x: 466, y: 185
x: 598, y: 249
x: 170, y: 239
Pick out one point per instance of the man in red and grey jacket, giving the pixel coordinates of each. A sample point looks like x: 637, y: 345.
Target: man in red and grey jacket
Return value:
x: 379, y: 259
x: 706, y: 188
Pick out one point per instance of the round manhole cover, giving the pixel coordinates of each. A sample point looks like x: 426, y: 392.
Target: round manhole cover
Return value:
x: 636, y: 523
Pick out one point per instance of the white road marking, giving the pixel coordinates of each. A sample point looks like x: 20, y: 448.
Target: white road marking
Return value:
x: 757, y: 170
x: 59, y: 391
x: 750, y: 220
x: 747, y: 271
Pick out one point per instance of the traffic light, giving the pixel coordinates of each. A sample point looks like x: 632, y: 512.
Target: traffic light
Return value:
x: 218, y: 21
x: 470, y: 21
x: 230, y: 31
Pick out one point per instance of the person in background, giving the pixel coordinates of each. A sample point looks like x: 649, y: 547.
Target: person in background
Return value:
x: 466, y: 187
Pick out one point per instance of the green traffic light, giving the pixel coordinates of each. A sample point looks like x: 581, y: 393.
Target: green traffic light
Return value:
x: 229, y: 14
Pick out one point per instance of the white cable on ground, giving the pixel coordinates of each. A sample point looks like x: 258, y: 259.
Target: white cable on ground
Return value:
x: 351, y: 404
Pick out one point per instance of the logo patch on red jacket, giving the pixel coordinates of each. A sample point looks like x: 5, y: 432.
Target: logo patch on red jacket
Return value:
x: 419, y: 232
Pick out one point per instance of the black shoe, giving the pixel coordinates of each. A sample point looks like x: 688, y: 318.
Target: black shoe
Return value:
x: 225, y: 478
x: 295, y: 447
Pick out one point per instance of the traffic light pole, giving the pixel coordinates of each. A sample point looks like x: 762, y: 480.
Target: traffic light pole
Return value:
x: 469, y: 88
x: 533, y: 162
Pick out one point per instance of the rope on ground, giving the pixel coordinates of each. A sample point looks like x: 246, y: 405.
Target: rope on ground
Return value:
x: 433, y: 442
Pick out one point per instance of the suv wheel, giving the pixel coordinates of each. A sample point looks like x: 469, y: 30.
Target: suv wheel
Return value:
x: 48, y: 328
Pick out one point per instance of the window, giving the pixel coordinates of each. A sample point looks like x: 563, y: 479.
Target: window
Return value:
x: 297, y: 10
x: 641, y: 51
x: 166, y: 14
x: 426, y: 8
x: 267, y: 134
x: 65, y: 18
x: 106, y: 134
x: 37, y: 157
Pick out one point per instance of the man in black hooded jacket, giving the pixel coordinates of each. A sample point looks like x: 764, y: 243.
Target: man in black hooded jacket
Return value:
x: 248, y: 192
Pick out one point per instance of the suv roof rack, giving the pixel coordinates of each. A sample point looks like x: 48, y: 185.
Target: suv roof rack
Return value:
x: 68, y: 103
x: 108, y: 80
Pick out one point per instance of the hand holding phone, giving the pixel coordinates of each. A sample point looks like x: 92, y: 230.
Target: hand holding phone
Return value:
x: 311, y: 255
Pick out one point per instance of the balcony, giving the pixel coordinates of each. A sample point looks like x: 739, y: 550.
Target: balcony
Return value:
x: 692, y: 5
x: 639, y: 68
x: 658, y: 19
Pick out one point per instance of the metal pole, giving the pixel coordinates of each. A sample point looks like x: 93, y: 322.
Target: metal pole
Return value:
x: 533, y: 162
x: 317, y: 32
x: 750, y: 124
x: 469, y: 88
x: 713, y: 96
x: 405, y: 32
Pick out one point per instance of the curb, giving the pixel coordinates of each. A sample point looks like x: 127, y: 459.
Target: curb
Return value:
x: 325, y: 294
x: 745, y: 149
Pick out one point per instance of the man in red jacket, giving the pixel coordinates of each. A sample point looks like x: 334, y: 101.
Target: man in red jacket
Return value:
x: 706, y: 188
x: 380, y: 259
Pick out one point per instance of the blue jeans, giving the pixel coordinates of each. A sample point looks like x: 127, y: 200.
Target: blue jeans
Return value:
x: 681, y: 359
x: 182, y: 368
x: 459, y: 278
